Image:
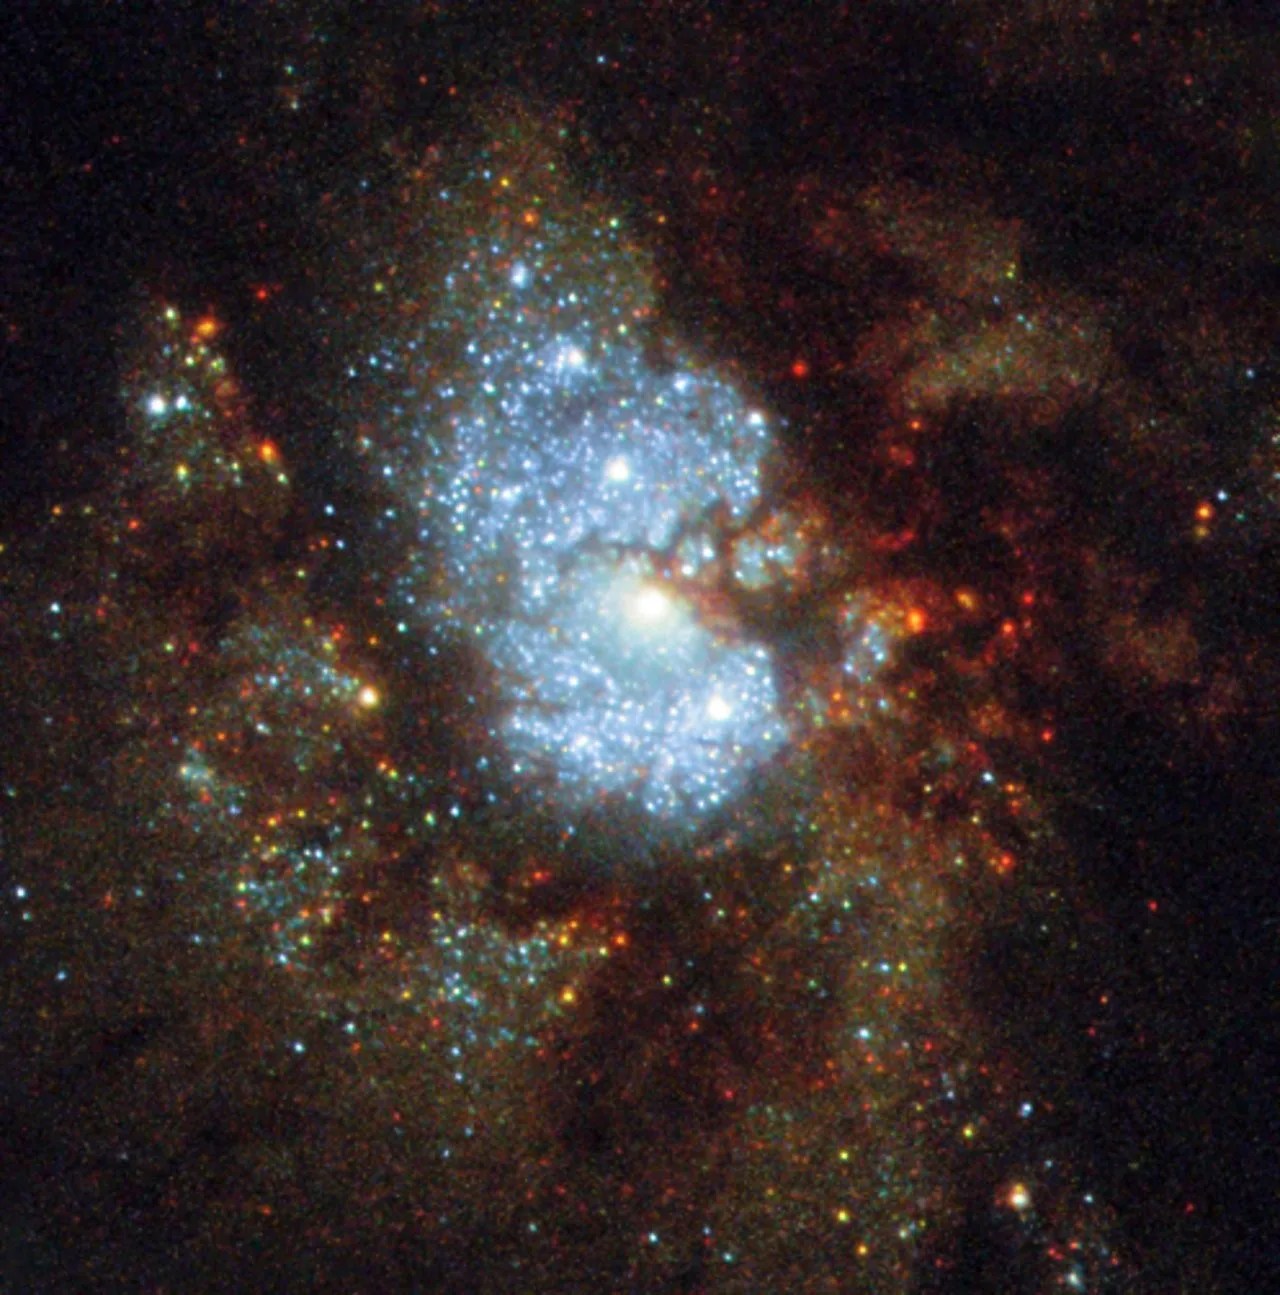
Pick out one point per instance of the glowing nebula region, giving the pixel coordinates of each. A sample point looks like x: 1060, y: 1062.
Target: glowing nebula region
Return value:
x: 577, y: 491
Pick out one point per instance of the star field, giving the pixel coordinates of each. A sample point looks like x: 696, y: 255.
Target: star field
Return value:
x: 638, y: 654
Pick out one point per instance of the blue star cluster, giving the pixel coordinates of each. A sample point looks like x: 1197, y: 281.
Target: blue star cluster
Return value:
x: 579, y: 494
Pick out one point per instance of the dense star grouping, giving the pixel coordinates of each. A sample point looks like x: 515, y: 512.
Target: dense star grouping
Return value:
x: 576, y: 494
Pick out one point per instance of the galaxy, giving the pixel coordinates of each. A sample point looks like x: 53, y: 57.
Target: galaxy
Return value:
x: 641, y: 650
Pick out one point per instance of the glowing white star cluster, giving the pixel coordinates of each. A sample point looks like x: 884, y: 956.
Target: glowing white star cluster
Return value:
x: 586, y: 474
x: 576, y: 490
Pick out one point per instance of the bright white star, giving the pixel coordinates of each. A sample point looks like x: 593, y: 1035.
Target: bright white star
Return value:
x: 647, y: 607
x: 718, y: 708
